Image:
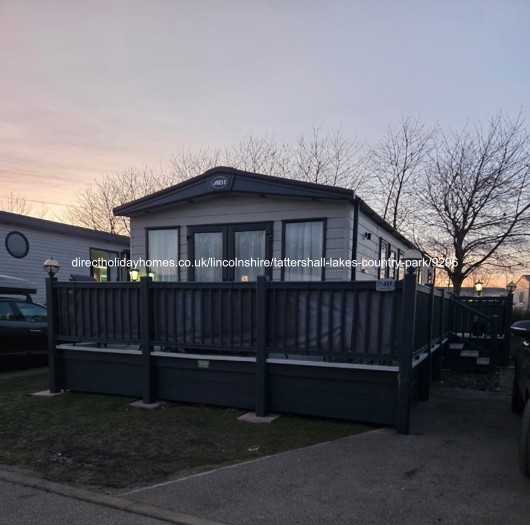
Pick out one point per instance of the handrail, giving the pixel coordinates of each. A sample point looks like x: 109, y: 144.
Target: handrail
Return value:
x: 477, y: 312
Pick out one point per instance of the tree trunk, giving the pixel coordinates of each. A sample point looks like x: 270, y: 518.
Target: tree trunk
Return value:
x: 457, y: 281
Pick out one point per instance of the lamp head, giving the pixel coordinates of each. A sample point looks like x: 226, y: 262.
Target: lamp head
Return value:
x: 410, y: 258
x: 51, y: 266
x: 511, y: 286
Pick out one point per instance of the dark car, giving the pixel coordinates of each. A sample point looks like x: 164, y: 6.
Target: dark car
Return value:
x: 521, y: 391
x: 23, y: 325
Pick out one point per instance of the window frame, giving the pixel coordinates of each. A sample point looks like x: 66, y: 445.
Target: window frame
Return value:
x: 148, y: 255
x: 392, y: 270
x: 228, y: 244
x: 398, y: 264
x: 24, y: 238
x: 92, y: 258
x: 324, y: 222
x: 383, y: 272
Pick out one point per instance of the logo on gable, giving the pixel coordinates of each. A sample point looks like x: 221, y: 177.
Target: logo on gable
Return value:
x: 219, y: 183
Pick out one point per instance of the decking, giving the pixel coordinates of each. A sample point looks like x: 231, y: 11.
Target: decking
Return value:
x: 332, y: 349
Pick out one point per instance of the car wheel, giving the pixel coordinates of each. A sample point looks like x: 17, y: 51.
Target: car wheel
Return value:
x: 524, y: 443
x: 517, y: 397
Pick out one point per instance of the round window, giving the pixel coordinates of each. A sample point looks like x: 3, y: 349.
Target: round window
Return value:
x: 17, y: 245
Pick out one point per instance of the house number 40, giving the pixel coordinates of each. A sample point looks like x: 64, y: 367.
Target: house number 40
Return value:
x: 385, y: 285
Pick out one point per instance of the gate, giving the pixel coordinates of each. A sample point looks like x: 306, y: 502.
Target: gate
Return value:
x: 480, y: 333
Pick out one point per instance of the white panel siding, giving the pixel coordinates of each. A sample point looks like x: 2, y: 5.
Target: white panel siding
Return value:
x: 64, y: 248
x: 368, y: 249
x: 234, y: 209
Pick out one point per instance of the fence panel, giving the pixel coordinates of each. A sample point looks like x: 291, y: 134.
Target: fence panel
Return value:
x: 211, y: 316
x: 344, y: 321
x: 437, y: 306
x: 99, y: 312
x: 336, y: 320
x: 467, y: 321
x: 421, y: 324
x: 489, y: 307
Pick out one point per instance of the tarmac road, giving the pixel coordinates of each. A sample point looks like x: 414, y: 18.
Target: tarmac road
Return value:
x: 458, y: 466
x: 21, y: 505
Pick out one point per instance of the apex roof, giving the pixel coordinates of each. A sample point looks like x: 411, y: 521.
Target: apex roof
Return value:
x: 225, y: 179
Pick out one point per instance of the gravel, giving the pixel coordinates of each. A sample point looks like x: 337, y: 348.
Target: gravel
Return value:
x: 485, y: 381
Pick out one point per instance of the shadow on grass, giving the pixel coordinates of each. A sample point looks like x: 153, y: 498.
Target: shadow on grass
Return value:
x: 98, y: 440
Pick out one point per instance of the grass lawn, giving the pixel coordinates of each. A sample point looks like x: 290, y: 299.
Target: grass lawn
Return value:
x: 98, y: 440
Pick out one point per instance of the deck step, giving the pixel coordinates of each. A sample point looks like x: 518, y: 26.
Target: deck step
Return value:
x: 469, y: 353
x: 456, y: 346
x: 483, y: 361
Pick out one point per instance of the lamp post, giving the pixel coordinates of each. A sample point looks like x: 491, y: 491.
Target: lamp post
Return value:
x: 511, y: 286
x: 51, y: 267
x: 411, y: 258
x: 479, y: 286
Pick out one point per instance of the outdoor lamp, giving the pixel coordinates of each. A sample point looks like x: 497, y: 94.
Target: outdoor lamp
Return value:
x: 51, y: 266
x: 479, y: 286
x: 134, y: 275
x: 511, y: 286
x: 410, y: 257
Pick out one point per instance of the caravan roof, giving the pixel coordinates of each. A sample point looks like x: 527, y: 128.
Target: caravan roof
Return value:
x: 15, y: 286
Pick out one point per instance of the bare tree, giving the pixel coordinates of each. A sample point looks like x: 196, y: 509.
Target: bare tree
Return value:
x: 328, y: 159
x: 396, y: 164
x: 259, y: 155
x: 487, y: 278
x: 475, y: 198
x: 95, y: 202
x: 187, y: 164
x: 16, y: 203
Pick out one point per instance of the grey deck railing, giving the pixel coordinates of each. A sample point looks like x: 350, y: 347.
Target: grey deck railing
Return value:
x: 336, y: 320
x: 347, y: 322
x: 483, y: 324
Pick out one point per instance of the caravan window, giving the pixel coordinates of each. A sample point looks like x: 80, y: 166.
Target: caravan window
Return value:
x: 304, y: 248
x: 163, y: 253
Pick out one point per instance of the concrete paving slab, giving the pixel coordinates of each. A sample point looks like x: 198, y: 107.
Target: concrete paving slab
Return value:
x: 46, y: 393
x: 251, y: 417
x: 147, y: 406
x: 458, y: 466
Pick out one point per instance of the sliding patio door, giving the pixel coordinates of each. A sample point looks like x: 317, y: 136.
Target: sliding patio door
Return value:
x: 233, y: 252
x: 208, y: 248
x: 249, y: 246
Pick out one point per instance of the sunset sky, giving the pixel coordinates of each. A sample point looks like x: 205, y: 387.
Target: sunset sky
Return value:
x: 90, y: 87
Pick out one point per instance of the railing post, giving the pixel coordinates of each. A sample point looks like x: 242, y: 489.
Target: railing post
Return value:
x: 408, y: 319
x: 426, y: 367
x: 145, y: 325
x: 507, y: 318
x: 51, y: 304
x: 437, y: 361
x: 494, y: 344
x: 261, y: 347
